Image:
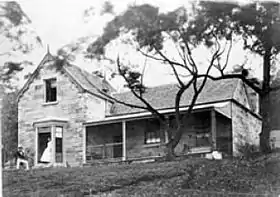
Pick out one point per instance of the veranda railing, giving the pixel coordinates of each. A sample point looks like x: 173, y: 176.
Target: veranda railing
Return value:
x: 104, y: 151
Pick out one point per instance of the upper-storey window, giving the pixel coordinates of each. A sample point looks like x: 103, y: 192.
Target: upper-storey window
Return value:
x: 51, y: 90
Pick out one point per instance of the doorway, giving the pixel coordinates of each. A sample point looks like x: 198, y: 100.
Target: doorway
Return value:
x: 117, y: 149
x: 43, y: 139
x: 50, y: 145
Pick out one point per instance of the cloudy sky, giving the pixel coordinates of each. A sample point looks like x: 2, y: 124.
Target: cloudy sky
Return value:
x: 59, y: 22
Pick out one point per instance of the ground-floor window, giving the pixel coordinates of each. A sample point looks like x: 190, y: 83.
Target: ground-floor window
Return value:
x: 203, y: 139
x: 58, y: 145
x: 152, y: 132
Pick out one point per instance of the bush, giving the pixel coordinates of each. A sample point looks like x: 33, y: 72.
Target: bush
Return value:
x: 248, y: 151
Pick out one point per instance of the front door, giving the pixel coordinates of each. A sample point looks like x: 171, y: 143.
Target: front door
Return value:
x: 44, y: 136
x: 117, y: 149
x: 50, y: 144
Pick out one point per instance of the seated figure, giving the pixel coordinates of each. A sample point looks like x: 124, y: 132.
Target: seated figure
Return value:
x: 21, y: 158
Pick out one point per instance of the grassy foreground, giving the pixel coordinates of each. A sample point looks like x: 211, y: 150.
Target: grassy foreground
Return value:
x: 176, y: 178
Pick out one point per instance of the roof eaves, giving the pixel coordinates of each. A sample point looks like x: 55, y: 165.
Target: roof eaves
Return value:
x: 235, y: 88
x: 248, y: 110
x: 241, y: 82
x: 200, y: 104
x: 146, y: 114
x: 77, y: 82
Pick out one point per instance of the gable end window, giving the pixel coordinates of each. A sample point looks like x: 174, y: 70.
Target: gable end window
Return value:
x: 51, y: 90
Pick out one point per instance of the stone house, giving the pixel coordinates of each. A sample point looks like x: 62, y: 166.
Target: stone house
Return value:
x: 75, y: 110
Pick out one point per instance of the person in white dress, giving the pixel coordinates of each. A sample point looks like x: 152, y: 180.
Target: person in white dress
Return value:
x: 46, y: 156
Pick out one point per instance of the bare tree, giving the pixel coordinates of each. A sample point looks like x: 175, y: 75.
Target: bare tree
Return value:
x: 151, y: 29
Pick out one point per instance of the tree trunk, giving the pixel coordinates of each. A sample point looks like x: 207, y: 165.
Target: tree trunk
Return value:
x: 169, y: 152
x: 264, y: 136
x: 168, y: 149
x: 265, y: 102
x: 172, y: 143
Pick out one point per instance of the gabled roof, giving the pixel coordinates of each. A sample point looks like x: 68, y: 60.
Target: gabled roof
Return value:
x: 163, y: 97
x: 46, y: 58
x: 88, y: 82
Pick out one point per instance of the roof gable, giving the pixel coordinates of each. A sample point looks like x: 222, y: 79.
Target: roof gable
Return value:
x: 241, y: 95
x: 163, y: 97
x: 46, y: 58
x: 88, y: 82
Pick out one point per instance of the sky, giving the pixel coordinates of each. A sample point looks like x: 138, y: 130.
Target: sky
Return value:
x: 61, y: 22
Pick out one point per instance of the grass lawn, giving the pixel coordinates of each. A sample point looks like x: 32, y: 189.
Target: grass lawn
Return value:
x: 176, y: 178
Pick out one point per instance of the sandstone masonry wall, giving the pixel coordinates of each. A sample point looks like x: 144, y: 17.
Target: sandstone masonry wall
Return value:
x: 245, y: 127
x: 70, y: 105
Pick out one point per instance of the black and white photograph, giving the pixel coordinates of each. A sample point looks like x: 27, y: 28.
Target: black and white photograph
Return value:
x: 128, y: 98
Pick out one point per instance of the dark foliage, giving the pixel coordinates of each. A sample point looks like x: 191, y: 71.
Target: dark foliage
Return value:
x: 9, y: 126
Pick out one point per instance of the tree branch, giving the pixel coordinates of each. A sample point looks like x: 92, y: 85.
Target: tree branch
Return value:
x: 148, y: 106
x: 233, y: 76
x: 220, y: 67
x: 143, y: 71
x: 125, y: 103
x: 178, y: 99
x: 189, y: 53
x: 162, y: 60
x: 173, y: 68
x: 182, y: 55
x: 119, y: 101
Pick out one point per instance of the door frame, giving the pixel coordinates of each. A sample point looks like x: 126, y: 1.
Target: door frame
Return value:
x: 52, y: 124
x: 38, y: 140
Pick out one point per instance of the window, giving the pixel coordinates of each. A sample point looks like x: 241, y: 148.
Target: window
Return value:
x: 152, y: 132
x: 51, y: 90
x: 152, y: 137
x: 202, y: 139
x: 58, y: 145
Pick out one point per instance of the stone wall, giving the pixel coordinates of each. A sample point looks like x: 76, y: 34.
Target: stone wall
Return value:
x: 136, y: 146
x: 240, y: 94
x: 274, y: 118
x: 274, y: 109
x: 94, y: 106
x: 69, y: 105
x: 245, y: 127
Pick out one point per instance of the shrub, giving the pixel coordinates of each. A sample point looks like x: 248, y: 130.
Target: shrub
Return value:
x: 248, y: 151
